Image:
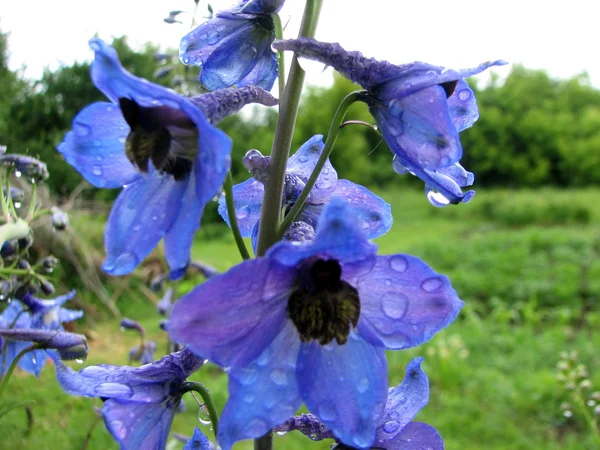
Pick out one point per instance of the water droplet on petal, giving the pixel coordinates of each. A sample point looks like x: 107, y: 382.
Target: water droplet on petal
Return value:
x: 247, y: 52
x: 464, y: 95
x: 363, y: 385
x: 436, y: 198
x: 79, y: 361
x: 394, y: 306
x: 303, y: 159
x: 390, y: 426
x: 97, y: 170
x: 118, y: 429
x: 398, y: 263
x: 432, y: 284
x: 18, y: 174
x: 248, y: 398
x: 327, y: 411
x: 278, y: 377
x: 243, y: 212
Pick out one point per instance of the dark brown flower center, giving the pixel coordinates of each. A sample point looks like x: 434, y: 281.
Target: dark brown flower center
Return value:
x: 160, y: 134
x: 323, y: 306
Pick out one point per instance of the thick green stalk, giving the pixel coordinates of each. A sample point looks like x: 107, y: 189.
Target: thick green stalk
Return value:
x: 280, y: 57
x: 288, y: 112
x: 17, y: 230
x: 235, y: 229
x: 208, y: 401
x: 334, y: 130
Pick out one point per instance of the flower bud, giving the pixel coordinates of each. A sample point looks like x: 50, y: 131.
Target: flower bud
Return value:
x: 16, y: 195
x: 129, y: 324
x: 60, y: 219
x: 49, y: 263
x: 73, y: 346
x: 23, y: 264
x: 31, y: 168
x: 25, y: 242
x: 9, y: 248
x: 47, y: 287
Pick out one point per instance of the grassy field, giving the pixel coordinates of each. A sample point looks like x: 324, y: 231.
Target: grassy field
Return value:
x: 527, y: 265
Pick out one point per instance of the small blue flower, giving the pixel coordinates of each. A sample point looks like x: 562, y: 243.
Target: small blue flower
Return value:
x: 139, y: 402
x: 310, y: 323
x: 162, y: 149
x: 374, y: 213
x: 395, y: 430
x: 419, y: 108
x: 234, y: 48
x: 36, y: 314
x: 197, y: 442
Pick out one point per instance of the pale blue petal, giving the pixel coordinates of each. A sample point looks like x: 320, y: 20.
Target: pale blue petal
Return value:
x: 264, y: 393
x: 247, y: 199
x: 345, y: 386
x: 463, y: 106
x: 417, y: 435
x: 198, y: 440
x: 264, y: 72
x: 96, y: 146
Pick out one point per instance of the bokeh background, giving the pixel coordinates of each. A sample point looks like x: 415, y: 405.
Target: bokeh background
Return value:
x: 523, y: 254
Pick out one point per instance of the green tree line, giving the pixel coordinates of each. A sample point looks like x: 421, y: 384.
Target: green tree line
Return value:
x: 533, y: 130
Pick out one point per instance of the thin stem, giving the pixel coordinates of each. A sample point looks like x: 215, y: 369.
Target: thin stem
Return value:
x: 332, y: 136
x: 3, y: 204
x: 13, y: 365
x: 11, y: 206
x: 280, y: 54
x: 235, y: 229
x: 208, y: 401
x: 282, y: 142
x: 32, y: 202
x: 586, y: 413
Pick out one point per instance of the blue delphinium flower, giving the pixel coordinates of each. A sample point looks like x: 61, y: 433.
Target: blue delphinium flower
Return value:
x: 395, y: 430
x: 234, y: 47
x: 310, y: 323
x: 419, y: 108
x: 160, y: 147
x: 374, y: 213
x: 37, y: 314
x: 139, y: 402
x: 198, y: 441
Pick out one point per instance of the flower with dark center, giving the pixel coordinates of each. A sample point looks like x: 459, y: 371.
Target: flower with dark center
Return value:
x: 419, y: 108
x: 310, y: 323
x: 162, y: 149
x: 374, y: 213
x: 139, y: 402
x: 234, y: 47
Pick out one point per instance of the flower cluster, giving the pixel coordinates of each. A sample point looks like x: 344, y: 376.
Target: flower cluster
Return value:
x: 309, y: 319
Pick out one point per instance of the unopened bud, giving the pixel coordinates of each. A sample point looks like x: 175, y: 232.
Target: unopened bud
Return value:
x: 31, y: 168
x: 60, y: 219
x: 47, y: 287
x: 49, y: 263
x: 130, y: 324
x: 16, y: 195
x: 9, y: 248
x: 23, y: 264
x: 25, y: 242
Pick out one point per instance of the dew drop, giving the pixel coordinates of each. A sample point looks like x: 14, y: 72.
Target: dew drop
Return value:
x: 18, y: 174
x: 436, y: 198
x: 118, y: 428
x: 281, y: 433
x: 247, y: 52
x: 432, y: 284
x: 278, y: 377
x: 464, y: 95
x: 395, y: 306
x: 327, y: 411
x: 363, y: 385
x: 17, y: 205
x: 33, y: 360
x: 97, y: 170
x: 79, y: 361
x: 303, y: 159
x: 243, y: 212
x: 247, y: 377
x: 248, y: 398
x: 399, y: 263
x: 122, y: 139
x: 568, y: 414
x: 211, y: 38
x: 390, y: 426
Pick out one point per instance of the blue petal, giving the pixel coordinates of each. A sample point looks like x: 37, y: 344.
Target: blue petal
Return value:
x: 32, y: 362
x: 14, y: 316
x: 403, y: 403
x: 138, y: 426
x: 179, y: 237
x: 142, y: 214
x: 236, y: 56
x: 417, y: 435
x: 68, y: 315
x: 303, y: 163
x: 345, y: 386
x: 231, y: 318
x: 339, y: 236
x: 375, y: 215
x: 264, y: 393
x: 96, y: 146
x: 247, y: 199
x: 419, y: 130
x: 198, y: 440
x: 403, y: 302
x: 263, y: 6
x: 442, y: 189
x: 463, y: 106
x: 198, y: 44
x: 12, y: 349
x: 264, y: 72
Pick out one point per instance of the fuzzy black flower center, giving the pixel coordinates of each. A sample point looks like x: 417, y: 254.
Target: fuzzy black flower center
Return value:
x: 323, y: 306
x: 160, y: 134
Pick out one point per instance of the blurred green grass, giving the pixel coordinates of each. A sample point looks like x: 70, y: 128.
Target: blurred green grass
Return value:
x: 525, y: 262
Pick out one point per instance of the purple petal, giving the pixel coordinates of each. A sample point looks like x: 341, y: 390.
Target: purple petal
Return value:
x: 180, y: 235
x: 463, y: 106
x: 303, y: 163
x: 418, y: 128
x: 221, y: 103
x: 96, y: 146
x: 403, y: 403
x: 247, y: 199
x: 198, y: 440
x: 339, y: 236
x: 68, y: 315
x: 231, y: 318
x: 374, y: 213
x: 138, y: 426
x: 404, y: 302
x: 263, y: 6
x: 264, y: 393
x: 345, y: 386
x: 417, y: 435
x: 235, y: 57
x: 142, y: 214
x: 264, y: 72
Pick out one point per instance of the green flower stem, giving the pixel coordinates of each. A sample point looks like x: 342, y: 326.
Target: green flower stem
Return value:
x: 332, y: 136
x: 11, y: 369
x: 208, y: 401
x: 280, y: 53
x: 282, y: 142
x: 235, y: 229
x: 16, y: 230
x: 32, y: 202
x: 587, y: 414
x: 11, y: 206
x: 3, y: 204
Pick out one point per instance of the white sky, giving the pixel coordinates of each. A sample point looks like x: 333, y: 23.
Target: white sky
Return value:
x: 561, y: 37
